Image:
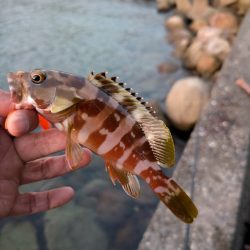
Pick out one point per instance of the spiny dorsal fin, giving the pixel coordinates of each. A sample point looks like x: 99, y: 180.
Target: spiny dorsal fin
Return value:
x: 155, y: 130
x: 125, y: 96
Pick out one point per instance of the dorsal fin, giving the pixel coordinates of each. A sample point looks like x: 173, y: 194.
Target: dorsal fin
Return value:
x: 155, y: 130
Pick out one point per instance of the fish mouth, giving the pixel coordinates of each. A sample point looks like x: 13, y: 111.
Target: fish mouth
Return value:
x: 17, y: 90
x: 16, y: 87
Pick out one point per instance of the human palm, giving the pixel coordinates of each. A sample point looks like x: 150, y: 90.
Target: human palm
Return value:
x: 24, y: 159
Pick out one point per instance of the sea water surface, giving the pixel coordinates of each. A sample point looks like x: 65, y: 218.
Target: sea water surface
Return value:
x: 125, y: 38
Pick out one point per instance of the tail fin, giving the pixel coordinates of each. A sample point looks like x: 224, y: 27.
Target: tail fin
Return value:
x: 172, y: 195
x: 179, y: 203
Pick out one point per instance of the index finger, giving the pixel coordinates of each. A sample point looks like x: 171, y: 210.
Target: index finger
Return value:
x: 6, y: 104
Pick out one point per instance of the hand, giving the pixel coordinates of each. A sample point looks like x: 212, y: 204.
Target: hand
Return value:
x: 24, y: 159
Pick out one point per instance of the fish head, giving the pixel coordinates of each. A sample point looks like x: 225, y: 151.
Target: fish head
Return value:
x: 46, y: 90
x: 31, y: 88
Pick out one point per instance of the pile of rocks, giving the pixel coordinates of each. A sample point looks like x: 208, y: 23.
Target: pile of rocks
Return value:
x: 202, y: 33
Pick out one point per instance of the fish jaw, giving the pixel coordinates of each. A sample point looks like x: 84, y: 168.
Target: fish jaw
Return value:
x: 17, y: 90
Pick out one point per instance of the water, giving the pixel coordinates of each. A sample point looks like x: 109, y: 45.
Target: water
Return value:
x: 125, y: 38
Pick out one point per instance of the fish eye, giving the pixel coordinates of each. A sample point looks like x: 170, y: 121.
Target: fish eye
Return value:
x: 37, y: 76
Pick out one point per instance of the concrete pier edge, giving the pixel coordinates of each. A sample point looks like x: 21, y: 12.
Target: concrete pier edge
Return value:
x: 215, y: 166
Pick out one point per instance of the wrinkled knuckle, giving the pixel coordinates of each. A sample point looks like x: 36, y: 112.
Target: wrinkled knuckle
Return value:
x: 44, y: 169
x: 32, y: 203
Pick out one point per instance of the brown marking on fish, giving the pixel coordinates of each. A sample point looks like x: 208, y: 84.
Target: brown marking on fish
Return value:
x: 116, y: 152
x: 95, y: 139
x: 92, y: 107
x: 78, y: 121
x: 146, y: 151
x: 139, y: 153
x: 16, y: 96
x: 127, y: 140
x: 93, y: 123
x: 131, y: 136
x: 156, y: 177
x: 41, y: 103
x: 132, y: 160
x: 111, y: 123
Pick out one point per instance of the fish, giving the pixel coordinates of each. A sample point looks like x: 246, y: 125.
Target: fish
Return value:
x: 113, y: 121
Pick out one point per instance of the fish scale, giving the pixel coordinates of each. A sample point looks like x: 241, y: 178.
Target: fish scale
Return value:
x: 114, y: 122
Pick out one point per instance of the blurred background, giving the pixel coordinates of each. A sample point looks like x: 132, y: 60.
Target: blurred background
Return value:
x: 125, y: 38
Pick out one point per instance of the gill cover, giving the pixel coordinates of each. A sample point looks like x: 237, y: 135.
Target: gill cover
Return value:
x: 64, y: 99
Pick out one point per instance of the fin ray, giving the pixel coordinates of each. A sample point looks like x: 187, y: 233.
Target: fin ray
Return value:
x: 128, y: 180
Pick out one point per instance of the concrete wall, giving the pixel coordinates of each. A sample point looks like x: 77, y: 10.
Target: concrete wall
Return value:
x: 214, y: 167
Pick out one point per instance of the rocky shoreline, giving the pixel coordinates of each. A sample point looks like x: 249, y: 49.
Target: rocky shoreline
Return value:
x: 202, y: 33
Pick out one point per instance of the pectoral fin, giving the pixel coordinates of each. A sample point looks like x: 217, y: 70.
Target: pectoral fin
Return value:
x: 64, y: 99
x: 128, y: 180
x: 74, y: 151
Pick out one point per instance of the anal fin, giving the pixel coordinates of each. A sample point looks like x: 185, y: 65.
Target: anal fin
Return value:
x: 128, y: 180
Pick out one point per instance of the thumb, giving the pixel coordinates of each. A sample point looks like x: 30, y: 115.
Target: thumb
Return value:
x: 20, y: 122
